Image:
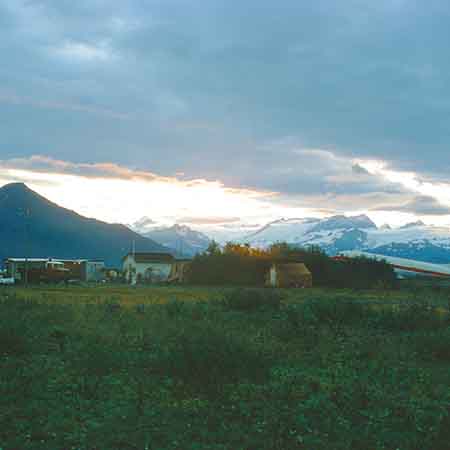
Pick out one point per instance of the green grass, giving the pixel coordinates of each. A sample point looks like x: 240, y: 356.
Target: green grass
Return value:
x: 192, y: 368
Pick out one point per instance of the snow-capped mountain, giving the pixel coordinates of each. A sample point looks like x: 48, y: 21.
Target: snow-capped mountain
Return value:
x: 361, y: 222
x: 144, y: 225
x: 334, y: 235
x: 184, y: 240
x: 340, y: 233
x: 415, y: 241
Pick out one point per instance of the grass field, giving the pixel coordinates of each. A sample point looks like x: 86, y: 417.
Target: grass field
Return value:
x: 211, y: 368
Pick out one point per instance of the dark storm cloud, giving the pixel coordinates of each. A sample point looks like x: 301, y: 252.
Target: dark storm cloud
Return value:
x: 297, y: 171
x: 343, y: 203
x: 227, y: 92
x: 421, y: 205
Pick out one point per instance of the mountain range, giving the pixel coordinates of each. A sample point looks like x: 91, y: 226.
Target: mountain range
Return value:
x: 333, y: 234
x: 181, y: 239
x: 340, y: 233
x: 32, y: 226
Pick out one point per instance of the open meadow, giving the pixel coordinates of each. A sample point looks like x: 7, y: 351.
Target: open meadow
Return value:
x: 115, y: 367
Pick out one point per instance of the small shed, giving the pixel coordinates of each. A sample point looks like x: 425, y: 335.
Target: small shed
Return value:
x: 285, y: 275
x: 179, y: 270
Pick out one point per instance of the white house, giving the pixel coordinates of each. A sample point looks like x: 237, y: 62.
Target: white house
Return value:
x: 147, y: 267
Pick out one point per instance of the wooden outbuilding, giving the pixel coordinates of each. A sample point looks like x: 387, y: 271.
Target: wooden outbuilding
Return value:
x: 289, y: 275
x: 179, y: 270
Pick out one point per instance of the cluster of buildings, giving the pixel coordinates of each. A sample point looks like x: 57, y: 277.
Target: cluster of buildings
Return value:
x: 161, y: 267
x: 137, y: 268
x: 51, y: 270
x: 148, y: 268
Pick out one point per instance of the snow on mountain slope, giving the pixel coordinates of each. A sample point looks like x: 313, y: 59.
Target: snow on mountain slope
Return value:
x: 361, y: 222
x: 144, y: 225
x: 420, y: 233
x: 334, y: 234
x: 426, y: 243
x: 291, y: 230
x: 181, y: 238
x: 340, y: 233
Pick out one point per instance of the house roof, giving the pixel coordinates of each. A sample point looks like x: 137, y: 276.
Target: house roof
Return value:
x: 151, y: 257
x: 27, y: 259
x: 53, y: 260
x: 293, y: 268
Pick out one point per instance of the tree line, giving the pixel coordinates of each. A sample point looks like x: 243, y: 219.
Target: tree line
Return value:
x: 243, y: 265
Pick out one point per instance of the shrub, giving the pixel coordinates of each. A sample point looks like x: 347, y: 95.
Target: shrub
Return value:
x: 94, y: 361
x: 12, y: 341
x: 228, y: 269
x: 14, y: 327
x: 174, y: 308
x: 252, y: 299
x: 410, y: 317
x: 433, y: 346
x: 294, y: 325
x: 207, y: 358
x: 112, y: 307
x: 335, y: 312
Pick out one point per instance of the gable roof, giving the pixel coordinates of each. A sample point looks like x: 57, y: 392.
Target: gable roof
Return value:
x: 292, y: 268
x: 19, y: 260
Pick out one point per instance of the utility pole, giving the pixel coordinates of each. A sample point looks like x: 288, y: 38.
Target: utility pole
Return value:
x: 133, y: 251
x: 27, y: 244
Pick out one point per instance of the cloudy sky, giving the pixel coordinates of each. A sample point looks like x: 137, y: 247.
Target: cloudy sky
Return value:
x: 226, y: 112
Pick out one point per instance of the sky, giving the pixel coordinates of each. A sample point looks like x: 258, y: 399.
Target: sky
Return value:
x: 231, y: 113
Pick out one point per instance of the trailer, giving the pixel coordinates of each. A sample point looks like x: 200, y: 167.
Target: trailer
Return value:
x: 403, y: 267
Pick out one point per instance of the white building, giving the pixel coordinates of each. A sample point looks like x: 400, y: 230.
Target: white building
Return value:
x: 147, y: 267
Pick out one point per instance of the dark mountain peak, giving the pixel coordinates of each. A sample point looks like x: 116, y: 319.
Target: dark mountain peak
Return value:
x: 31, y: 225
x: 16, y: 189
x: 18, y: 199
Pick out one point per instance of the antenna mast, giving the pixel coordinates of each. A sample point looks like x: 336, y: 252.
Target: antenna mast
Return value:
x: 27, y: 244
